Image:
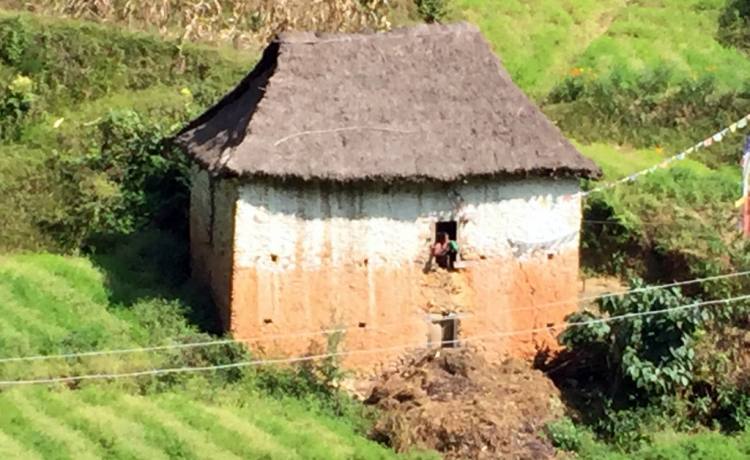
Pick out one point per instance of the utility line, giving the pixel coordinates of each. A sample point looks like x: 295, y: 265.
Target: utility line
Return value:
x: 296, y: 359
x: 178, y: 346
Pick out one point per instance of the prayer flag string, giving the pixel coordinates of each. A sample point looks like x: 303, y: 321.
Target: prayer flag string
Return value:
x: 707, y: 142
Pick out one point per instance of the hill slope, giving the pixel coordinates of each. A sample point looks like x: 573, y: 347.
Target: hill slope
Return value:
x: 102, y: 423
x: 54, y: 304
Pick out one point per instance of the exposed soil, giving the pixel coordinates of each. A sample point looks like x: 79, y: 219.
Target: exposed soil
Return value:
x: 446, y: 291
x: 455, y: 402
x: 598, y: 286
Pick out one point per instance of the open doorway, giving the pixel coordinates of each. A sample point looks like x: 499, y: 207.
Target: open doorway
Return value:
x: 446, y: 245
x: 450, y: 227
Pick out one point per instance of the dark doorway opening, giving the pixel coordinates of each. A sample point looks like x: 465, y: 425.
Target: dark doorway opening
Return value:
x: 449, y: 326
x: 450, y: 227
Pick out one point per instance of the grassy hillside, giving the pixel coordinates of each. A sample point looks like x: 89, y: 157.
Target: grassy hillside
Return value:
x: 677, y: 34
x: 56, y: 304
x: 540, y: 40
x: 76, y: 74
x: 102, y: 423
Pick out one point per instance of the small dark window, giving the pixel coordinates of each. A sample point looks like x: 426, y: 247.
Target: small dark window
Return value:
x: 449, y: 326
x: 450, y: 227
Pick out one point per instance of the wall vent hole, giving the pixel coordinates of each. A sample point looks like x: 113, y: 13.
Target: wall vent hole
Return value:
x: 361, y: 324
x: 267, y: 321
x: 550, y: 256
x: 449, y: 325
x: 274, y: 258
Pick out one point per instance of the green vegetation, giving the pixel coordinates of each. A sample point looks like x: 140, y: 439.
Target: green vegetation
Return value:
x: 100, y: 422
x: 617, y: 161
x: 679, y: 34
x: 55, y: 304
x: 666, y: 444
x: 539, y: 40
x: 77, y: 99
x: 84, y: 169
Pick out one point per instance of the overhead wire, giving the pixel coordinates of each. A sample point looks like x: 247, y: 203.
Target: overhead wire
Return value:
x: 178, y: 346
x: 296, y: 359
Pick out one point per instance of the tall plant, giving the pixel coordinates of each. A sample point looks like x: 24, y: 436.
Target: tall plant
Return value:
x: 648, y: 354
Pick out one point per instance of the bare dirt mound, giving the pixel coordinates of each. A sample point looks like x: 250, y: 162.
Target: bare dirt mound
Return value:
x: 455, y: 402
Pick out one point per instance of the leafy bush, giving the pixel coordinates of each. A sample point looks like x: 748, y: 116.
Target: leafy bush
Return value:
x: 431, y: 10
x: 96, y: 92
x: 14, y: 38
x: 645, y: 357
x: 565, y: 435
x: 734, y: 24
x: 15, y: 105
x: 127, y: 181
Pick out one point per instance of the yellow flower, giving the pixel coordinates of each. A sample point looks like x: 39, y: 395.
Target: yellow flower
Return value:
x: 185, y: 92
x: 659, y: 149
x: 21, y: 85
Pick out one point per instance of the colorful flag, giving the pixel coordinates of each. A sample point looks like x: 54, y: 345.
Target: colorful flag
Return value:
x: 746, y: 167
x: 733, y: 127
x: 742, y: 123
x: 708, y: 142
x: 746, y: 187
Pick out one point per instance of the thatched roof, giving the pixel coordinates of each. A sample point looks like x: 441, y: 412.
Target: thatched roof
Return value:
x: 430, y: 102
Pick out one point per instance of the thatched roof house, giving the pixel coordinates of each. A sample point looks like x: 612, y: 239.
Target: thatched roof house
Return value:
x: 431, y: 102
x: 321, y: 180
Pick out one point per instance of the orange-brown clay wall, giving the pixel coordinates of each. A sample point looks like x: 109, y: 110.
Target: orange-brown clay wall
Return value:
x: 492, y: 297
x: 317, y: 259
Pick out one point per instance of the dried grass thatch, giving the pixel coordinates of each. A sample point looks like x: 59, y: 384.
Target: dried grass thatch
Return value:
x: 430, y: 102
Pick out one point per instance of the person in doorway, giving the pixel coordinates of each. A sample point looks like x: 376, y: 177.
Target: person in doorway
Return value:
x: 444, y: 251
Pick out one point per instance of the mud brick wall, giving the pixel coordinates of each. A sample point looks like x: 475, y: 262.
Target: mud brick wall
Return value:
x: 300, y: 257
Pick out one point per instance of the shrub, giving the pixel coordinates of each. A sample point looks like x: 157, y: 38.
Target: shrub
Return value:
x: 565, y: 435
x: 127, y: 181
x: 14, y: 38
x: 734, y: 24
x: 646, y: 109
x: 15, y: 105
x: 645, y: 357
x: 431, y: 10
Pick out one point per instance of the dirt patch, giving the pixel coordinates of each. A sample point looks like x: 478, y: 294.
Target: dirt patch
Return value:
x: 455, y: 402
x: 446, y: 292
x: 592, y: 288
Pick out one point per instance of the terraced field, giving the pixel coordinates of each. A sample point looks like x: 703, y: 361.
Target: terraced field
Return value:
x: 539, y: 40
x: 47, y: 302
x: 55, y: 304
x: 679, y: 35
x: 51, y: 304
x: 99, y: 423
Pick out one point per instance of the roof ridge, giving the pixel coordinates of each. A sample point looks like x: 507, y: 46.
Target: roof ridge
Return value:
x: 423, y: 30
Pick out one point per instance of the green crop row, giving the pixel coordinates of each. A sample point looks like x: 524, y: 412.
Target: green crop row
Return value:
x: 98, y: 422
